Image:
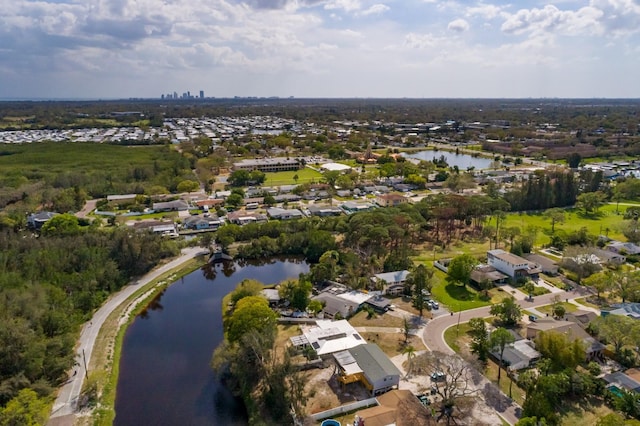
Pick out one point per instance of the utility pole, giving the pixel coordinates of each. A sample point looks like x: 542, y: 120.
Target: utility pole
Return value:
x: 458, y: 326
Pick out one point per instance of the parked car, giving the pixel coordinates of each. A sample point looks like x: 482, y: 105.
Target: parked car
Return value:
x: 437, y: 376
x: 433, y: 304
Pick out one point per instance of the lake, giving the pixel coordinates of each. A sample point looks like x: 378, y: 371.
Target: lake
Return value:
x: 165, y: 374
x: 463, y: 161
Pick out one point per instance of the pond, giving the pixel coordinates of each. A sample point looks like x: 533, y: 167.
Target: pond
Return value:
x: 463, y: 161
x: 165, y: 374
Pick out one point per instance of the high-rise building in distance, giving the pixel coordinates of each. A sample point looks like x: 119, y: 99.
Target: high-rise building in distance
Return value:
x: 202, y: 94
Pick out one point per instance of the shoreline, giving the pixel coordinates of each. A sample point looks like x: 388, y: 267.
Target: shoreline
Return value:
x: 100, y: 343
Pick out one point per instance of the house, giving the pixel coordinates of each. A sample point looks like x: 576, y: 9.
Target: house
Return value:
x: 399, y: 407
x: 393, y: 282
x: 485, y: 272
x: 168, y: 230
x: 391, y: 200
x: 334, y: 305
x: 272, y: 295
x: 210, y: 203
x: 353, y: 207
x: 244, y: 217
x: 36, y: 220
x: 621, y: 381
x: 368, y: 365
x: 324, y: 210
x: 201, y: 223
x: 547, y: 265
x: 512, y: 265
x: 594, y: 349
x: 379, y: 303
x: 628, y: 309
x: 171, y: 206
x: 339, y: 300
x: 521, y: 354
x: 608, y: 257
x: 623, y: 248
x: 284, y: 214
x: 327, y: 337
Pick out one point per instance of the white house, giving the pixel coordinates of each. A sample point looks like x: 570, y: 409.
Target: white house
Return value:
x: 512, y: 265
x: 328, y: 337
x: 393, y: 281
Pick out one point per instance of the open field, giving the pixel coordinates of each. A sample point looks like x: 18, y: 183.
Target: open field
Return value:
x: 474, y: 248
x: 286, y: 178
x: 58, y: 157
x: 605, y: 222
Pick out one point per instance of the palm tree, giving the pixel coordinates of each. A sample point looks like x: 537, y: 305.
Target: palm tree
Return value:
x: 410, y: 352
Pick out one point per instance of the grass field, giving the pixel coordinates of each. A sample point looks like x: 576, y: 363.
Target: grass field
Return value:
x: 97, y: 168
x: 78, y: 157
x: 454, y: 296
x: 286, y: 178
x: 605, y: 222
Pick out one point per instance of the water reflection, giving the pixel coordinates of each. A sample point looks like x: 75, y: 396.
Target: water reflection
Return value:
x: 165, y: 374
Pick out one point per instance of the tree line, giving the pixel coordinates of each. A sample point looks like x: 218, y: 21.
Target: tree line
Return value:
x: 49, y: 286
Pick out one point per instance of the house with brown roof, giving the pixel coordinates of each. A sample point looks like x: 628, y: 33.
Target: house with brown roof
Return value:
x: 391, y: 200
x: 593, y: 348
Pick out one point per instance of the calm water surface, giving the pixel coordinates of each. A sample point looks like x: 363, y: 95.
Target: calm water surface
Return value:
x: 165, y: 377
x: 463, y: 161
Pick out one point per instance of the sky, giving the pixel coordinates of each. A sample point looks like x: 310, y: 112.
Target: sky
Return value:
x: 320, y: 48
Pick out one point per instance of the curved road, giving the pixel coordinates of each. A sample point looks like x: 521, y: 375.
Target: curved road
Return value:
x: 433, y: 335
x: 66, y: 403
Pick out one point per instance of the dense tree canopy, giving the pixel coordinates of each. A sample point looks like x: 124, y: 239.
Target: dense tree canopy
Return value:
x: 50, y: 285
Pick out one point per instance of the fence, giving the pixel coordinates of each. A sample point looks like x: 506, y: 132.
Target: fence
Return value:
x: 344, y: 409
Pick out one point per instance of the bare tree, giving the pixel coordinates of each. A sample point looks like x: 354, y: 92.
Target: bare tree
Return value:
x: 455, y: 381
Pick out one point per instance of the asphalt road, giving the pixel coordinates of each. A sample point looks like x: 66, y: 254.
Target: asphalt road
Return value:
x: 67, y: 400
x: 434, y: 331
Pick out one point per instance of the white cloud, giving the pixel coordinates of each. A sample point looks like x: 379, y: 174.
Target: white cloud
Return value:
x: 346, y: 5
x: 552, y: 19
x: 487, y: 11
x: 376, y: 9
x: 458, y: 26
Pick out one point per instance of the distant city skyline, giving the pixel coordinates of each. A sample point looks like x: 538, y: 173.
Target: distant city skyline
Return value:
x: 98, y: 49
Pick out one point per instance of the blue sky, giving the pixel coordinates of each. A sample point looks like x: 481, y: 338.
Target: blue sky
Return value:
x: 319, y: 48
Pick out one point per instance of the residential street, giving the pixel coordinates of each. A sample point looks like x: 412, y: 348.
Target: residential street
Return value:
x: 68, y: 394
x: 433, y: 335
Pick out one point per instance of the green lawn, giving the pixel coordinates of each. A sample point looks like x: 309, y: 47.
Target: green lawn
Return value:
x: 453, y: 334
x: 605, y: 222
x: 547, y: 309
x: 455, y: 297
x: 286, y: 178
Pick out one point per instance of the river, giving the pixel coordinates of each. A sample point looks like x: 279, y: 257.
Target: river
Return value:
x: 165, y: 374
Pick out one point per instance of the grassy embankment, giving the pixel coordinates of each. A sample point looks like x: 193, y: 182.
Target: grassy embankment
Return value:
x: 105, y: 361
